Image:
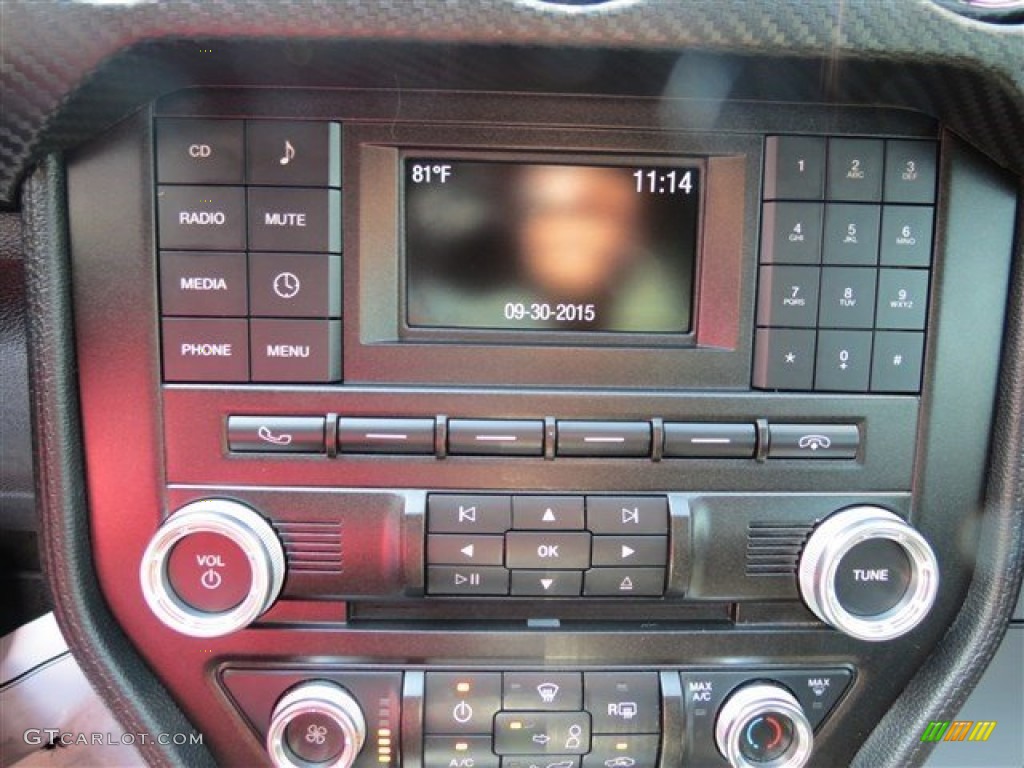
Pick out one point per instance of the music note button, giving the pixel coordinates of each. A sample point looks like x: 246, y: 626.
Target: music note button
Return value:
x: 293, y: 153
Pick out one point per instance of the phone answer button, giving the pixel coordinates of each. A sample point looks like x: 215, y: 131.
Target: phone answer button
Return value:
x: 276, y: 434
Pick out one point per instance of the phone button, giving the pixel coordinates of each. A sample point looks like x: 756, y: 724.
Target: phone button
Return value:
x: 813, y: 441
x: 276, y: 434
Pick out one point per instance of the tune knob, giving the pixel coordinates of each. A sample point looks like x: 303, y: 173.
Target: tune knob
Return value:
x: 762, y: 725
x: 212, y: 568
x: 316, y: 723
x: 866, y: 572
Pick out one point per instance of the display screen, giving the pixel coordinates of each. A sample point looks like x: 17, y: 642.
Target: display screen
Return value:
x: 550, y: 246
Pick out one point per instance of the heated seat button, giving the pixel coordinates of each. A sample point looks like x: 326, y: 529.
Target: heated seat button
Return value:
x: 623, y: 702
x: 276, y: 434
x: 302, y: 351
x: 630, y: 515
x: 461, y: 702
x: 294, y: 220
x: 294, y: 153
x: 543, y: 690
x: 295, y: 285
x: 624, y: 582
x: 542, y: 733
x: 611, y: 439
x: 192, y: 151
x: 209, y: 572
x: 203, y: 284
x: 201, y: 218
x: 553, y: 551
x: 206, y: 350
x: 872, y: 577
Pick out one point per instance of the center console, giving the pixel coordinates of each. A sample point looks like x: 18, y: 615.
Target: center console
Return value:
x: 534, y: 431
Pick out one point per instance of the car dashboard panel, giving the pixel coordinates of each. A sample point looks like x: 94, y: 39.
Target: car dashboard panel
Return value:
x: 507, y: 405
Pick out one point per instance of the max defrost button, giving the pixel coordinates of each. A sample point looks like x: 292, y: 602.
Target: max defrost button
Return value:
x: 205, y: 350
x: 305, y: 351
x: 276, y: 434
x: 209, y: 572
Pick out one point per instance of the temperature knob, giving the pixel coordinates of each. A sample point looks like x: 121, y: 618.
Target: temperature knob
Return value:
x: 316, y: 723
x: 761, y: 725
x: 866, y: 572
x: 212, y: 568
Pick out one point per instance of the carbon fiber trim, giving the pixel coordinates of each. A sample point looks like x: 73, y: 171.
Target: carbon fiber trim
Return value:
x: 70, y: 69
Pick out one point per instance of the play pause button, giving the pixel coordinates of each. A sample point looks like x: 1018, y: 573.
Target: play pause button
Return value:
x: 547, y: 583
x: 453, y: 580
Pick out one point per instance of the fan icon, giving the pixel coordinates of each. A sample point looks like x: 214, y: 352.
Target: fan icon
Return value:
x: 316, y: 734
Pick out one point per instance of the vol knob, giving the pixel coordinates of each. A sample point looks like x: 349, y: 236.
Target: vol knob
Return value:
x: 866, y: 572
x: 762, y: 725
x: 212, y: 568
x: 316, y: 724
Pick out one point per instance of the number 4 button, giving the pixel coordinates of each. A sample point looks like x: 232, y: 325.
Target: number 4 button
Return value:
x: 843, y: 361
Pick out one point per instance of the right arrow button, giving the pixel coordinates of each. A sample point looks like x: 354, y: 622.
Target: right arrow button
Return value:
x: 630, y: 550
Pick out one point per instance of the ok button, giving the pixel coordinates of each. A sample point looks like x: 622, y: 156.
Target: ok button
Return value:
x: 209, y: 572
x: 547, y: 550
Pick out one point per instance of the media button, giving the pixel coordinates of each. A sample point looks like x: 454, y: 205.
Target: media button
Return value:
x: 203, y: 284
x: 543, y: 690
x: 468, y: 514
x: 201, y: 218
x: 192, y: 151
x: 294, y: 153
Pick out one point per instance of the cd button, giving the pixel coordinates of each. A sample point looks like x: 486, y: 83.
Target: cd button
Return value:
x: 488, y: 437
x: 445, y: 549
x: 544, y: 513
x: 543, y: 690
x: 412, y: 436
x: 468, y: 514
x: 198, y: 151
x: 709, y: 441
x: 461, y: 702
x: 622, y: 439
x: 276, y: 434
x: 631, y: 515
x: 302, y: 220
x: 624, y: 582
x: 547, y: 550
x: 547, y: 583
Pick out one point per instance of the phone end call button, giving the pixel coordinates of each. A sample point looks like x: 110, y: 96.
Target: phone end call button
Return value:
x: 813, y: 441
x: 276, y: 434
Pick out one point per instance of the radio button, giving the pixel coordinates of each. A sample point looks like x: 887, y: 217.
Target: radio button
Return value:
x: 909, y: 171
x: 302, y: 220
x: 203, y: 284
x: 201, y: 218
x: 791, y: 233
x: 461, y: 702
x: 630, y: 550
x: 794, y: 167
x: 206, y: 350
x: 542, y: 733
x: 412, y: 436
x: 294, y: 153
x: 907, y: 236
x: 612, y: 439
x: 631, y: 515
x: 784, y: 358
x: 199, y: 151
x: 855, y: 169
x: 623, y: 702
x: 547, y: 583
x: 303, y: 351
x: 554, y: 551
x: 490, y: 437
x: 544, y: 513
x: 897, y: 361
x: 813, y: 441
x: 709, y: 441
x: 543, y: 691
x: 847, y: 297
x: 473, y: 550
x: 788, y: 296
x: 844, y: 361
x: 468, y: 580
x: 624, y: 582
x: 276, y: 434
x: 448, y: 751
x: 851, y: 234
x: 623, y: 749
x: 468, y: 514
x: 902, y: 299
x: 295, y: 285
